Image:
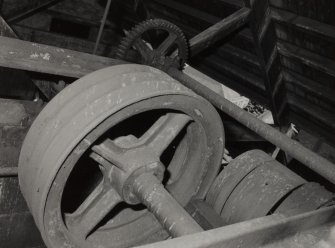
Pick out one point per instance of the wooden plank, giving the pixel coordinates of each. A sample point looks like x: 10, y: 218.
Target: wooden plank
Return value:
x: 306, y: 57
x: 309, y: 89
x: 17, y: 227
x: 321, y: 45
x: 267, y: 231
x: 313, y: 113
x: 18, y: 84
x: 236, y: 73
x: 19, y: 230
x: 246, y: 90
x: 6, y: 30
x: 218, y: 31
x: 15, y: 119
x: 11, y: 199
x: 48, y: 59
x: 265, y: 41
x: 320, y: 10
x: 304, y: 23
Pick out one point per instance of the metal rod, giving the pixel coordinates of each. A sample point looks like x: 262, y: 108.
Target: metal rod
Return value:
x: 167, y: 210
x: 219, y: 30
x: 310, y: 159
x: 8, y: 172
x: 101, y: 29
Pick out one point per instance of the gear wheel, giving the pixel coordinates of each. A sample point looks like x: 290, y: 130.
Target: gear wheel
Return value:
x: 171, y: 51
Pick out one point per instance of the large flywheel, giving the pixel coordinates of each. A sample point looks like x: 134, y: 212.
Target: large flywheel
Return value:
x: 87, y: 159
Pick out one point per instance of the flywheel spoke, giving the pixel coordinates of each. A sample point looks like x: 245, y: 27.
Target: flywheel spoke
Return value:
x: 142, y: 48
x: 167, y: 44
x: 109, y: 151
x: 96, y: 206
x: 164, y: 131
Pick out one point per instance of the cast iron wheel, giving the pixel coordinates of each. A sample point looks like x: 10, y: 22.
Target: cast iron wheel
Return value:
x: 156, y: 42
x: 123, y: 103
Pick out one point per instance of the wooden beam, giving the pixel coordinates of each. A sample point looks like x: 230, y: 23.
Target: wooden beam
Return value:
x: 269, y: 231
x: 62, y: 41
x: 304, y: 23
x: 218, y: 31
x: 19, y: 230
x: 79, y: 19
x: 18, y: 84
x: 30, y: 10
x: 36, y: 57
x: 265, y: 40
x: 6, y: 30
x: 306, y: 57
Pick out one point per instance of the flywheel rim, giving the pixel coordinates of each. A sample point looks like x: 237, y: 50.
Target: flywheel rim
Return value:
x: 170, y: 88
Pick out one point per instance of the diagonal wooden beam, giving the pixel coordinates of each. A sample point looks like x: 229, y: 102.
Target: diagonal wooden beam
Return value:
x: 5, y: 29
x: 30, y: 10
x: 36, y: 57
x: 23, y: 85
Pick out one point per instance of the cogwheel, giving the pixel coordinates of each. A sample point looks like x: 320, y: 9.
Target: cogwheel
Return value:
x: 171, y: 51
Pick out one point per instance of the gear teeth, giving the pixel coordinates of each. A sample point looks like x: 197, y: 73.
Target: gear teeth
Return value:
x: 136, y: 32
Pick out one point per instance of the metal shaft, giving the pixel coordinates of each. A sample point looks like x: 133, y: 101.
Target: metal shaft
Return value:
x: 167, y: 210
x: 310, y: 159
x: 101, y: 29
x: 218, y: 31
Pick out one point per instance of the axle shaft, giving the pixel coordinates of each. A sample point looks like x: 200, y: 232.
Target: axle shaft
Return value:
x: 167, y: 210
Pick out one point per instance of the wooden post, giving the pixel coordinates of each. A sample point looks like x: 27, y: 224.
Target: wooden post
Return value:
x: 265, y: 40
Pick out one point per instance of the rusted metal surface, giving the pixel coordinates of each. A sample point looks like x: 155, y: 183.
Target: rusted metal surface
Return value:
x: 254, y: 185
x: 170, y: 52
x: 204, y: 214
x: 308, y: 229
x: 167, y: 210
x: 136, y: 172
x: 259, y: 192
x: 67, y: 118
x: 232, y: 175
x: 313, y: 161
x: 299, y: 60
x: 308, y: 197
